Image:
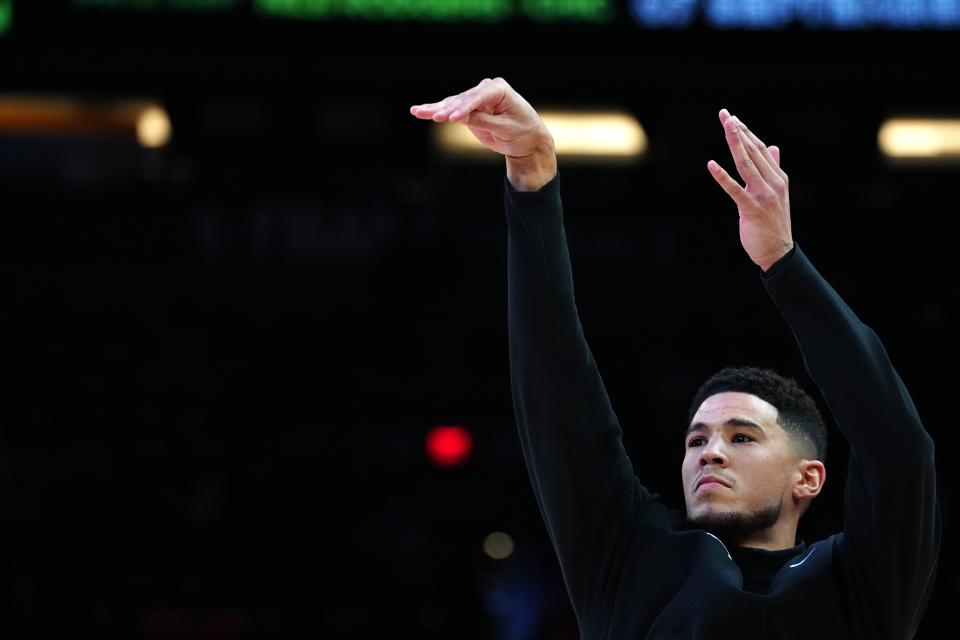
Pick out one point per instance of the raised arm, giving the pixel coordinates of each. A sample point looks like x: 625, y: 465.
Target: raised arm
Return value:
x: 571, y: 439
x: 891, y: 516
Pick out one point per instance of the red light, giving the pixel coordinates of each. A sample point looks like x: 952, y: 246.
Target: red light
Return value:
x: 448, y: 446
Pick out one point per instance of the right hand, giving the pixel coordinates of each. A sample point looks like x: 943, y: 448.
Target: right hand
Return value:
x: 503, y: 121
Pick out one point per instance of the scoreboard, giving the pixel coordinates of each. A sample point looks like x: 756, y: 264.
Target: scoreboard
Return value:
x: 641, y: 14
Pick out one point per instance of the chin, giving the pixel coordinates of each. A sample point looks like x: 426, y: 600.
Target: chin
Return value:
x: 733, y: 523
x: 702, y: 510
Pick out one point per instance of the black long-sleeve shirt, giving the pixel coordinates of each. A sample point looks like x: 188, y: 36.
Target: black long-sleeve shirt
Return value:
x: 631, y: 567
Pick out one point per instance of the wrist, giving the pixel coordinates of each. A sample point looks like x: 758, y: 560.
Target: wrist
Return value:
x: 530, y: 172
x: 773, y: 259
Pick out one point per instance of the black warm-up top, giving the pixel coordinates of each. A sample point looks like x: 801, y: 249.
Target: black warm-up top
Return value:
x: 631, y: 567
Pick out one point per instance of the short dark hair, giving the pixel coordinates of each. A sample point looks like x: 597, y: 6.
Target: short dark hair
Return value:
x: 797, y: 412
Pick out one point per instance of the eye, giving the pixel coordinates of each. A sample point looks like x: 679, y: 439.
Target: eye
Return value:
x: 745, y: 438
x: 695, y: 442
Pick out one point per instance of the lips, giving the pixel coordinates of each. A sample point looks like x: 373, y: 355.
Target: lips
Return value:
x: 711, y: 478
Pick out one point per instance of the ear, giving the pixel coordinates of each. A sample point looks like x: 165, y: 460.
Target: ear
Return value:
x: 812, y: 475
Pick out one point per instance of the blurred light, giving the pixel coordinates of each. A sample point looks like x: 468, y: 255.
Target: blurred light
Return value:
x: 920, y: 138
x: 676, y: 14
x: 381, y: 10
x: 769, y: 14
x: 6, y: 15
x: 572, y: 10
x: 153, y: 127
x: 597, y: 135
x: 498, y: 545
x: 780, y: 14
x: 140, y: 120
x: 482, y: 11
x: 448, y: 446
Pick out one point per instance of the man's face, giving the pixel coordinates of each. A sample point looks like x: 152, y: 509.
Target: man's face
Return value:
x: 735, y: 440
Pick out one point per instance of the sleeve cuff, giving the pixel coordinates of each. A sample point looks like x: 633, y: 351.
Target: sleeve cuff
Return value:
x: 781, y: 264
x: 548, y: 190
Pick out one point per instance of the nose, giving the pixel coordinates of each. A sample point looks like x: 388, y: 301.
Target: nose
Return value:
x: 713, y: 453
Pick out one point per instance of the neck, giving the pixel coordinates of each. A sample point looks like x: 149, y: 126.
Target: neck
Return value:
x: 782, y: 535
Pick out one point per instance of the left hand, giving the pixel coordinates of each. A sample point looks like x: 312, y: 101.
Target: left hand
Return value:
x: 764, y: 204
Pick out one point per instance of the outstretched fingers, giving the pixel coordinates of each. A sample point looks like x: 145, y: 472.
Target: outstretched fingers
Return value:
x: 456, y: 108
x: 758, y: 164
x: 727, y: 183
x: 741, y: 158
x: 437, y: 111
x: 483, y: 98
x: 766, y: 162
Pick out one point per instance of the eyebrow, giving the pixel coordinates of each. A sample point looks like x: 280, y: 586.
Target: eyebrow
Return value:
x: 732, y: 422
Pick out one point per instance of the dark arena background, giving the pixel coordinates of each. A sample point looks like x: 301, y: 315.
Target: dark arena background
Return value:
x: 230, y: 334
